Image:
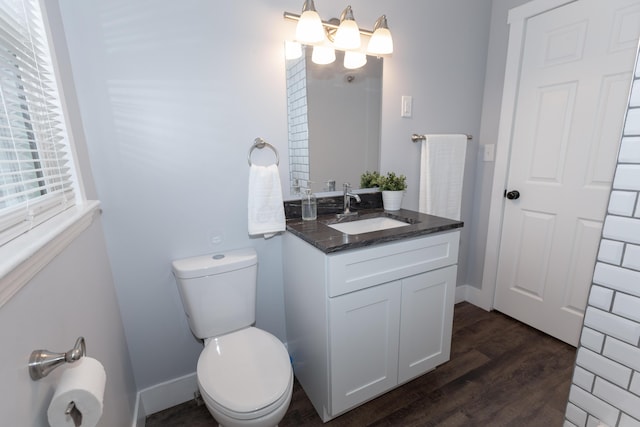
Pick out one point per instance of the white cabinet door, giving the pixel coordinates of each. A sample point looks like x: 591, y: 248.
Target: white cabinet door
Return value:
x: 364, y: 330
x: 426, y: 321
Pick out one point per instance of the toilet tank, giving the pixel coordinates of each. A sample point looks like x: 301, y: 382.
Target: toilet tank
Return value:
x: 218, y: 291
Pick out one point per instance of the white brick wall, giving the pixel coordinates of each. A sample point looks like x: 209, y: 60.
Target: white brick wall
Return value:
x: 606, y: 381
x: 298, y: 122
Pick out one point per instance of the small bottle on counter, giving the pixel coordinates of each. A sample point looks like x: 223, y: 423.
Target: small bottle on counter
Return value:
x: 309, y: 206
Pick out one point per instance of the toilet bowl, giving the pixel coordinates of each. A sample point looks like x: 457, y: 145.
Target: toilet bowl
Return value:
x: 245, y: 378
x: 244, y: 373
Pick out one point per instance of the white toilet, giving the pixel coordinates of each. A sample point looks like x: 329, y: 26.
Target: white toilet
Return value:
x: 244, y: 373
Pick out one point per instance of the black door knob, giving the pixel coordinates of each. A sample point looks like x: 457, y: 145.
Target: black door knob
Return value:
x: 513, y: 195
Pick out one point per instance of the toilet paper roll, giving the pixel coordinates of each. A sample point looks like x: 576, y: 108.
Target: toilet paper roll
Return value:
x: 83, y: 383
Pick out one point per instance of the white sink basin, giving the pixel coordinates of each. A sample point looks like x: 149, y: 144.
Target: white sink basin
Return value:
x: 368, y: 225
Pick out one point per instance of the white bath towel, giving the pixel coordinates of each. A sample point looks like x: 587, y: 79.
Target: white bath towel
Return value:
x: 442, y: 174
x: 266, y: 208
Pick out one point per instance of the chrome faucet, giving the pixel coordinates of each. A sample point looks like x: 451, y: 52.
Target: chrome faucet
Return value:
x: 347, y: 201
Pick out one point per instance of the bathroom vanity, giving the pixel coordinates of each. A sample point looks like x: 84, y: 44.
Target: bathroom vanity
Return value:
x: 368, y: 312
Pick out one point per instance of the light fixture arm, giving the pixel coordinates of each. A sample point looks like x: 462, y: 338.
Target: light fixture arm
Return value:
x: 327, y: 24
x: 381, y: 23
x: 308, y: 5
x: 347, y: 14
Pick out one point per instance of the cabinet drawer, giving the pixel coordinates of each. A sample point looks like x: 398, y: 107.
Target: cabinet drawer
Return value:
x: 353, y: 270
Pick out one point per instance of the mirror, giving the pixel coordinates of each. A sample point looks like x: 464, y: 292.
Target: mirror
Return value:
x: 334, y: 117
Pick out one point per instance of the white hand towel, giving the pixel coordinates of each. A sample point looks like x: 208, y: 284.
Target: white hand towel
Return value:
x: 442, y: 174
x: 266, y: 208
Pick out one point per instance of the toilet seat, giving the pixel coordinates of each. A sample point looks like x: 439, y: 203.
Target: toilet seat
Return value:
x: 245, y: 374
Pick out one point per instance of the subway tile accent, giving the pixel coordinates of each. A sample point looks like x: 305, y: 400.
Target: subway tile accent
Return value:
x: 610, y: 251
x: 298, y: 123
x: 628, y: 355
x: 601, y: 297
x: 629, y: 150
x: 576, y: 415
x: 627, y: 421
x: 622, y: 203
x: 622, y: 399
x: 606, y: 380
x: 593, y: 405
x: 612, y: 325
x: 583, y: 379
x: 617, y: 278
x: 593, y: 340
x: 632, y: 257
x: 603, y: 367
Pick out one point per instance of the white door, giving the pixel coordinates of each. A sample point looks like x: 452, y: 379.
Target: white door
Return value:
x: 575, y: 71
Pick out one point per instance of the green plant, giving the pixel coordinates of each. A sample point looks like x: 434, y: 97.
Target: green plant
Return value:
x: 369, y: 179
x: 392, y: 182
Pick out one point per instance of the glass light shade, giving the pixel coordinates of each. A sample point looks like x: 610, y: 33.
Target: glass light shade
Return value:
x: 309, y: 29
x: 353, y: 60
x: 380, y: 42
x: 348, y: 35
x: 323, y: 55
x: 292, y: 50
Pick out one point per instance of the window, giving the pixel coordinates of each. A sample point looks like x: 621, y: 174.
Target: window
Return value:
x: 36, y: 168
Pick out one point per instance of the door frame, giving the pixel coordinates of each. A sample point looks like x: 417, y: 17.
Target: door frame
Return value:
x: 517, y: 25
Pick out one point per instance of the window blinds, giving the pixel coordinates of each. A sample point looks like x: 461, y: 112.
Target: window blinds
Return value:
x: 36, y: 180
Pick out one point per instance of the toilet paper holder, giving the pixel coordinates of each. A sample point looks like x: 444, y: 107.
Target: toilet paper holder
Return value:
x: 42, y: 362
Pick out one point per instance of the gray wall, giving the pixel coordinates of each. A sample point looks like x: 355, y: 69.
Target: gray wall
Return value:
x: 172, y: 95
x: 491, y: 103
x: 72, y: 296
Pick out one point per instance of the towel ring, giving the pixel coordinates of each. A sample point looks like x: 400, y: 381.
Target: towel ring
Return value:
x: 261, y: 143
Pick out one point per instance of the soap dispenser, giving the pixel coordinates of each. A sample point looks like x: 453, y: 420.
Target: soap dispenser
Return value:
x: 309, y: 206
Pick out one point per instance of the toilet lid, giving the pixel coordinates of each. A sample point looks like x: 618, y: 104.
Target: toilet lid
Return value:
x: 244, y: 371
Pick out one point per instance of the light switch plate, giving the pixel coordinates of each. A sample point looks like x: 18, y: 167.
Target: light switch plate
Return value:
x: 407, y: 106
x: 489, y: 152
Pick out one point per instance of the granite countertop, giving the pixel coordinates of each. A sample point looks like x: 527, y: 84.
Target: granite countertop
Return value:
x: 329, y: 240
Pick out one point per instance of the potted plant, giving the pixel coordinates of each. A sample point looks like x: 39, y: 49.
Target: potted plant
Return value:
x: 392, y: 187
x: 369, y: 179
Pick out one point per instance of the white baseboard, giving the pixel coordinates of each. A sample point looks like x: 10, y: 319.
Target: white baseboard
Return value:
x: 174, y: 392
x: 461, y: 293
x: 474, y: 296
x: 164, y: 395
x: 139, y: 414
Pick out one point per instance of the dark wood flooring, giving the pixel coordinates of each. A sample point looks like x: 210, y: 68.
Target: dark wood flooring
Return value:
x: 501, y: 373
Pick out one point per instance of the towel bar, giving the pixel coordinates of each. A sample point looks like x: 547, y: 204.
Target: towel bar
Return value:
x: 416, y: 137
x: 261, y: 143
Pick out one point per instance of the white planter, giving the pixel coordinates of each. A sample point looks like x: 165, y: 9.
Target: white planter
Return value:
x: 392, y: 200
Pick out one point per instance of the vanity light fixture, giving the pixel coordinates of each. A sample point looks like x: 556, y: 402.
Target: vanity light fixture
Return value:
x: 323, y: 55
x: 342, y: 34
x: 292, y: 50
x: 348, y: 34
x: 380, y: 42
x: 309, y: 29
x: 353, y: 60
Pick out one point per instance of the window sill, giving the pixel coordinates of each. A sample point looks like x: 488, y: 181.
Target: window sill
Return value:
x: 23, y: 257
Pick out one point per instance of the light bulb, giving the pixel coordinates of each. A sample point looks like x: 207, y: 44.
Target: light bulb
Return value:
x: 309, y: 29
x: 292, y: 50
x: 348, y: 34
x: 323, y: 55
x: 380, y: 42
x: 353, y: 60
